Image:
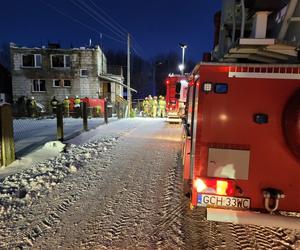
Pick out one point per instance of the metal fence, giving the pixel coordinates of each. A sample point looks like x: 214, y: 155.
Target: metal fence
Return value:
x: 33, y: 132
x: 21, y: 131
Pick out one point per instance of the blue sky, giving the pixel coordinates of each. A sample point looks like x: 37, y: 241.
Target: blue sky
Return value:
x: 157, y: 26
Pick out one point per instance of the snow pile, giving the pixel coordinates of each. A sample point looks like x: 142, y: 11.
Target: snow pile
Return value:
x: 49, y: 150
x: 20, y: 189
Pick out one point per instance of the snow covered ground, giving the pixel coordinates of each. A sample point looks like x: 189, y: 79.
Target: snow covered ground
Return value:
x: 32, y: 133
x: 118, y: 187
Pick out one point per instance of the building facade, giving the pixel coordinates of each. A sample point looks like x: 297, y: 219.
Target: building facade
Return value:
x: 53, y: 71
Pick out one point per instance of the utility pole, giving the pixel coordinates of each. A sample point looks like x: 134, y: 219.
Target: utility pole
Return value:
x: 128, y: 75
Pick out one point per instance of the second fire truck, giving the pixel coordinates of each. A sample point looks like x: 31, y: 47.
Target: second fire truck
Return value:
x: 176, y: 90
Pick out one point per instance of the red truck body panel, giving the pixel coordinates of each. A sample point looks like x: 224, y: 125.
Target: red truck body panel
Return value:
x: 172, y: 103
x: 226, y: 122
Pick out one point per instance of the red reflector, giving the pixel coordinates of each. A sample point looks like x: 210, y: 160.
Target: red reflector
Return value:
x: 215, y: 186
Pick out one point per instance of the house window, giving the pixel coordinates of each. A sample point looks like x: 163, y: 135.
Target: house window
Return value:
x: 84, y: 73
x: 32, y: 61
x: 67, y: 83
x: 60, y: 61
x: 38, y: 86
x: 56, y: 83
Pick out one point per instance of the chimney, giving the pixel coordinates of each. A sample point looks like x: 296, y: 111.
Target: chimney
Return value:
x: 260, y: 24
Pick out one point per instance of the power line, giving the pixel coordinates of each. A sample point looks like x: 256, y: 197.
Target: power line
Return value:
x: 138, y: 44
x: 121, y: 34
x: 79, y: 22
x: 108, y: 17
x: 93, y: 14
x: 138, y: 49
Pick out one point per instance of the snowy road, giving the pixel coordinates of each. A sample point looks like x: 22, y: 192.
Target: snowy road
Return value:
x: 122, y: 191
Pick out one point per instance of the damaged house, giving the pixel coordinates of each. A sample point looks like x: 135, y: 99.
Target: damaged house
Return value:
x: 53, y: 71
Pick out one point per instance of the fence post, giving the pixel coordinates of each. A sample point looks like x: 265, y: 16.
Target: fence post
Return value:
x: 7, y: 146
x: 85, y: 116
x: 118, y: 109
x: 60, y: 123
x: 105, y: 112
x: 123, y: 110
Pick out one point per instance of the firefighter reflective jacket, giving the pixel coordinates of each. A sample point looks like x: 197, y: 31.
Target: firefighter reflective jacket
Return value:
x: 77, y: 103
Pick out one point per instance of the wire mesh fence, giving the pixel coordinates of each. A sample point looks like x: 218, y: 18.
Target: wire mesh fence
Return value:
x: 33, y: 131
x: 137, y: 107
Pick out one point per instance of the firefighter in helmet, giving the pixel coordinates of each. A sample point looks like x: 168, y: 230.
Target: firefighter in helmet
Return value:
x: 66, y: 103
x: 150, y: 99
x: 145, y: 106
x: 161, y: 106
x: 31, y: 107
x: 54, y: 104
x: 77, y: 102
x: 154, y: 107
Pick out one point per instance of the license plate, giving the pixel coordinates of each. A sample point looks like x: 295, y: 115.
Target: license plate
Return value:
x: 208, y: 200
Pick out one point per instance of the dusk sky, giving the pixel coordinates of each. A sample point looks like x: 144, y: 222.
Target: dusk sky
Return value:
x: 157, y: 26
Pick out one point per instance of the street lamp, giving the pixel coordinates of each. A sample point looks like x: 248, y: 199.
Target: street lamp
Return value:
x: 181, y: 66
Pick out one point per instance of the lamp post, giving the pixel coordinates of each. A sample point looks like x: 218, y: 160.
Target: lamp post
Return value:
x: 181, y: 66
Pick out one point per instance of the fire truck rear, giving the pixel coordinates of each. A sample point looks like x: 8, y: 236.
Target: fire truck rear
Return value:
x: 176, y: 89
x: 241, y: 148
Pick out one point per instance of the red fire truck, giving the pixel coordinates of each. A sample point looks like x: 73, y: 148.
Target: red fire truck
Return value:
x: 241, y: 150
x: 176, y: 90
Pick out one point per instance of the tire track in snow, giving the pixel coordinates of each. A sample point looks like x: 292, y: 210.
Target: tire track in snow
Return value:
x: 40, y: 218
x: 169, y: 229
x: 129, y: 221
x: 131, y: 225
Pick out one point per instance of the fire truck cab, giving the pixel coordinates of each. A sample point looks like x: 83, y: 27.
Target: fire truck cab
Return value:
x: 176, y: 90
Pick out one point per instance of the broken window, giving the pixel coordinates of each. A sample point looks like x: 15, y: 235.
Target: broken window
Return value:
x: 32, y: 60
x: 67, y: 83
x: 60, y: 61
x: 56, y: 83
x: 38, y: 85
x: 84, y: 73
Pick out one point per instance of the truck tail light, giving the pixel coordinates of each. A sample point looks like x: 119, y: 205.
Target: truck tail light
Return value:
x: 215, y: 186
x: 200, y: 185
x: 221, y: 187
